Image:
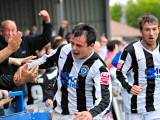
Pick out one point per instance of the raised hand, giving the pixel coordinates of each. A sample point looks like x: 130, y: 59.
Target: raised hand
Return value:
x: 45, y: 16
x: 15, y: 42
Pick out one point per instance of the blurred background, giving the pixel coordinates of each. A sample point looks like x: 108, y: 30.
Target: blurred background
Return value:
x: 99, y: 13
x: 25, y: 12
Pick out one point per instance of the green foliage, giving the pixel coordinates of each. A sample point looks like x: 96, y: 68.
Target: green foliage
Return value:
x: 140, y: 8
x: 116, y: 12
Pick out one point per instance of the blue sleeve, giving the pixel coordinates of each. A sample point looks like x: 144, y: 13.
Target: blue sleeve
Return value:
x: 116, y: 59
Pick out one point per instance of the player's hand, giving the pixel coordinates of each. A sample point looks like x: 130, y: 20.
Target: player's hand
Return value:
x: 135, y: 90
x: 84, y: 115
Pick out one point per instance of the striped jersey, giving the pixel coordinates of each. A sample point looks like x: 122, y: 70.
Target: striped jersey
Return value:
x: 139, y: 66
x: 82, y: 85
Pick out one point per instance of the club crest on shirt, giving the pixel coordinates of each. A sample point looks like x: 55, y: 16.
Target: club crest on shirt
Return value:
x: 84, y: 70
x: 105, y: 78
x: 120, y: 64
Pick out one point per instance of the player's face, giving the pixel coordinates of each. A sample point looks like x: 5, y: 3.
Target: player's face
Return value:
x: 80, y: 48
x: 150, y: 33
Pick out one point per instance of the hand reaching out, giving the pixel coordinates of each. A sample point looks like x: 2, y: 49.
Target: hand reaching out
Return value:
x: 20, y: 61
x: 25, y: 75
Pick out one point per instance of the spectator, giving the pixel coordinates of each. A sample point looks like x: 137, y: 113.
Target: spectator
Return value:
x: 26, y: 32
x: 34, y: 31
x: 103, y: 41
x: 28, y: 46
x: 97, y: 47
x: 64, y: 26
x: 8, y: 81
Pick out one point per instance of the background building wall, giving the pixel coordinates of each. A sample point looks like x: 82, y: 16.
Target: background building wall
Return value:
x: 25, y: 12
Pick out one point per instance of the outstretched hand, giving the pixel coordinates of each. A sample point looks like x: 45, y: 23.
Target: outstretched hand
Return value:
x: 20, y: 61
x: 25, y: 75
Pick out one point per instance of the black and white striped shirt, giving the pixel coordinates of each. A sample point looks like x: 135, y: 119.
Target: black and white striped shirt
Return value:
x: 139, y: 66
x: 82, y: 85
